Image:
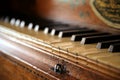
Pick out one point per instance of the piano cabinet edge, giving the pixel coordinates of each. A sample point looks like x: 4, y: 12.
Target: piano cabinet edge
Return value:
x: 14, y: 69
x: 10, y: 70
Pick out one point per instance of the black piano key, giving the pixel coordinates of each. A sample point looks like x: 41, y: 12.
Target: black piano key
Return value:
x: 33, y: 26
x: 114, y: 48
x: 56, y: 31
x: 106, y: 44
x: 49, y: 29
x: 78, y: 37
x: 71, y: 32
x: 95, y: 39
x: 40, y: 27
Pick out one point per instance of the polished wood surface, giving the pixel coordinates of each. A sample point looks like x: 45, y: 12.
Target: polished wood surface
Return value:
x: 74, y: 12
x: 42, y: 52
x: 10, y: 70
x: 29, y: 55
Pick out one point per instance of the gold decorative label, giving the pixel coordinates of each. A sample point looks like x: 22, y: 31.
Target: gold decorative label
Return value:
x: 108, y: 11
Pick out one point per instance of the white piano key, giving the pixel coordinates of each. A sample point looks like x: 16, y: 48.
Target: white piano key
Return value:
x: 36, y: 28
x: 46, y: 30
x: 6, y: 19
x: 22, y: 24
x: 12, y: 21
x: 30, y: 26
x: 52, y: 32
x: 17, y: 22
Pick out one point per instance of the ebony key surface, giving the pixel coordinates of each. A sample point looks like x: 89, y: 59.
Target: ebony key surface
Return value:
x: 114, y: 48
x: 95, y: 39
x: 106, y: 44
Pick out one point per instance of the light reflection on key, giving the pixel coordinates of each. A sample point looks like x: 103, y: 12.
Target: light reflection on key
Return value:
x: 36, y: 29
x: 12, y: 21
x: 17, y: 22
x: 22, y: 24
x: 30, y: 26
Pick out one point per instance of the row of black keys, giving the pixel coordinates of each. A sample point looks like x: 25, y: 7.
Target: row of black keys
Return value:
x: 86, y: 36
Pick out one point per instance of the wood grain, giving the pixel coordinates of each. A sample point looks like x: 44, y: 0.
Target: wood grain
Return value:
x: 73, y: 12
x: 39, y: 60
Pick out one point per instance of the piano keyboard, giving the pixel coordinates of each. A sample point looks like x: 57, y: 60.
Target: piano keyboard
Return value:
x: 99, y: 47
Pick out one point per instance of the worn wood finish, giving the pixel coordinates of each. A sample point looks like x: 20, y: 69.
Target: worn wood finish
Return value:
x: 81, y: 12
x: 32, y: 61
x: 41, y: 59
x: 11, y: 70
x: 35, y: 62
x: 24, y: 57
x: 74, y: 12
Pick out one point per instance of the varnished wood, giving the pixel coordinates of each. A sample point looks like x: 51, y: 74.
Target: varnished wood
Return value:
x: 10, y: 70
x: 73, y: 12
x: 40, y: 55
x: 29, y: 55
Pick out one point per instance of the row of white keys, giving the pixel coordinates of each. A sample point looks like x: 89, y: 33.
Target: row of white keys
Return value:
x: 21, y: 24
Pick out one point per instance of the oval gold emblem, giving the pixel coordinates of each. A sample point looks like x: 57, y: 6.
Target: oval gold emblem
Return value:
x: 108, y: 11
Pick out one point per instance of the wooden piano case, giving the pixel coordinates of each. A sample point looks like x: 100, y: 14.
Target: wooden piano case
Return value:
x: 23, y: 57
